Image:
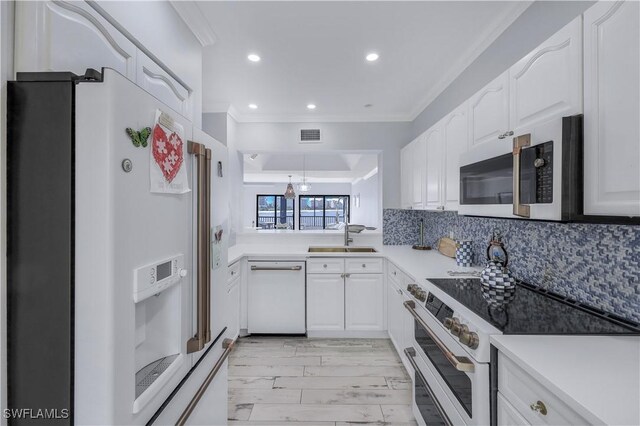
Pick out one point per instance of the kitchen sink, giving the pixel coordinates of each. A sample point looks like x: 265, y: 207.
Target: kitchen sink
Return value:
x: 342, y: 250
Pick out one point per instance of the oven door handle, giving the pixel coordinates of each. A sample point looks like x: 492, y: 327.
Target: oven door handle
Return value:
x: 519, y: 142
x: 458, y: 362
x: 411, y: 353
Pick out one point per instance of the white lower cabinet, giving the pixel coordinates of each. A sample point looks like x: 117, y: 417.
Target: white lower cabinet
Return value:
x: 325, y: 302
x: 364, y: 302
x: 394, y: 317
x: 531, y: 400
x: 507, y: 415
x: 344, y: 297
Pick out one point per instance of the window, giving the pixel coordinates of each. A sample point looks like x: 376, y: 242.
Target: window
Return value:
x: 323, y: 211
x: 272, y: 210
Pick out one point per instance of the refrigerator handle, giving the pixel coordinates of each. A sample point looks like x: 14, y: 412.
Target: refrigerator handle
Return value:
x: 203, y: 273
x: 209, y: 237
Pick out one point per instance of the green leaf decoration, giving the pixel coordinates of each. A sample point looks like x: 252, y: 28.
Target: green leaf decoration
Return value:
x: 139, y: 138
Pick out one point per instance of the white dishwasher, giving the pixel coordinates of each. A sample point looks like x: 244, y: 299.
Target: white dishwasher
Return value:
x: 276, y: 297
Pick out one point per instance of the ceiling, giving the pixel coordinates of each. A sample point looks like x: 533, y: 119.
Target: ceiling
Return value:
x: 275, y: 167
x: 314, y: 52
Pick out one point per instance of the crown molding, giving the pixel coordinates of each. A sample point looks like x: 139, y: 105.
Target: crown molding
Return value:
x: 191, y: 14
x: 283, y: 118
x: 484, y: 40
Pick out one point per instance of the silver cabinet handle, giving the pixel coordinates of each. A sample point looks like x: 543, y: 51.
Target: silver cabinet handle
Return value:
x: 459, y: 363
x: 276, y: 268
x: 364, y: 265
x: 228, y: 346
x: 411, y: 353
x: 399, y: 291
x: 324, y: 266
x: 509, y: 133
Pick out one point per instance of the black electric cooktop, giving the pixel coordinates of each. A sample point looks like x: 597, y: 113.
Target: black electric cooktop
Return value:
x: 530, y: 310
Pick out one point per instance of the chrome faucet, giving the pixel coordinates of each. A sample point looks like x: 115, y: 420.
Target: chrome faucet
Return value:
x: 356, y: 229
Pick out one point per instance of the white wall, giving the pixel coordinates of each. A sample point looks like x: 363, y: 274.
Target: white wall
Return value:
x: 6, y: 73
x: 384, y: 138
x: 158, y: 27
x: 236, y: 176
x: 251, y: 190
x: 370, y: 210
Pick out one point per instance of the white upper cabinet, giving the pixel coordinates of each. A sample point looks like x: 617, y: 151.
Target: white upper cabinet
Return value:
x: 406, y: 177
x: 611, y: 109
x: 69, y: 36
x: 489, y: 112
x: 419, y: 159
x: 160, y: 84
x: 547, y: 83
x: 434, y: 140
x: 72, y: 36
x: 413, y: 159
x: 456, y: 134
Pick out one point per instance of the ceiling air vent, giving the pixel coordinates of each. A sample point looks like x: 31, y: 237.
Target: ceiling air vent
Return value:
x: 309, y: 135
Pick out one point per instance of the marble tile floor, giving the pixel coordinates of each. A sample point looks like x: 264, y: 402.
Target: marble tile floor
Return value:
x: 293, y: 381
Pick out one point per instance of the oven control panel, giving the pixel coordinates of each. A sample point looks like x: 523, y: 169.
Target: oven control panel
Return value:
x: 156, y: 277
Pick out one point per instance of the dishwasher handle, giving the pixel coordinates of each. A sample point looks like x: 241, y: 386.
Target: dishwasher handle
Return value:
x: 276, y: 268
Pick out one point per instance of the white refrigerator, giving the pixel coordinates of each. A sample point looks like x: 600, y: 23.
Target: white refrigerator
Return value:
x: 117, y: 294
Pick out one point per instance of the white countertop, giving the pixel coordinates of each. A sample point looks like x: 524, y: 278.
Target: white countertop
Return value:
x: 415, y: 263
x: 599, y: 375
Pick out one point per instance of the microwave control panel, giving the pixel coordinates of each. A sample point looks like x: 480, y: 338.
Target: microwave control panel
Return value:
x: 156, y: 277
x: 536, y: 185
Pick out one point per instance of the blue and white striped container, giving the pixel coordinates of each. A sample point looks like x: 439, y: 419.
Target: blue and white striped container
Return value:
x: 464, y: 253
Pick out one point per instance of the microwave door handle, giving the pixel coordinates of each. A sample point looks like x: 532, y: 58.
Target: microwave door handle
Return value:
x: 519, y: 142
x: 208, y: 235
x: 196, y: 343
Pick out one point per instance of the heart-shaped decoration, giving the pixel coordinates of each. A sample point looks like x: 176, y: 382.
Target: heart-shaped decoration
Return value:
x: 167, y: 151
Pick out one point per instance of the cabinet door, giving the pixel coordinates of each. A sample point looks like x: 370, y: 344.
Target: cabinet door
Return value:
x: 325, y: 302
x: 547, y: 83
x: 233, y: 306
x: 394, y: 319
x: 364, y: 302
x: 611, y: 109
x: 433, y: 193
x: 507, y: 415
x: 160, y: 84
x: 489, y: 112
x: 406, y: 177
x: 419, y: 160
x: 456, y: 134
x: 69, y: 36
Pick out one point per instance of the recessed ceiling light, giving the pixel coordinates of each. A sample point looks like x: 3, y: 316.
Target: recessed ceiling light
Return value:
x: 253, y: 57
x: 311, y: 106
x: 372, y: 57
x: 253, y: 106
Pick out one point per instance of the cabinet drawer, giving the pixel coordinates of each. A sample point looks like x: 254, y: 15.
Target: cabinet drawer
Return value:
x: 523, y: 391
x: 233, y: 272
x: 325, y: 266
x: 363, y: 265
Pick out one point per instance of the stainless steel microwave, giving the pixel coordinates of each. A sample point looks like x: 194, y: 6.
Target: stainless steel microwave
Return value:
x: 536, y: 175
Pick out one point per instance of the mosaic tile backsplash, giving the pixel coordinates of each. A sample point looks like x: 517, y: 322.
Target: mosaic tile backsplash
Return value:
x: 595, y: 264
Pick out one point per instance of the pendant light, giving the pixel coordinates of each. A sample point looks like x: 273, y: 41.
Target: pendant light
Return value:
x: 289, y: 194
x: 304, y: 186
